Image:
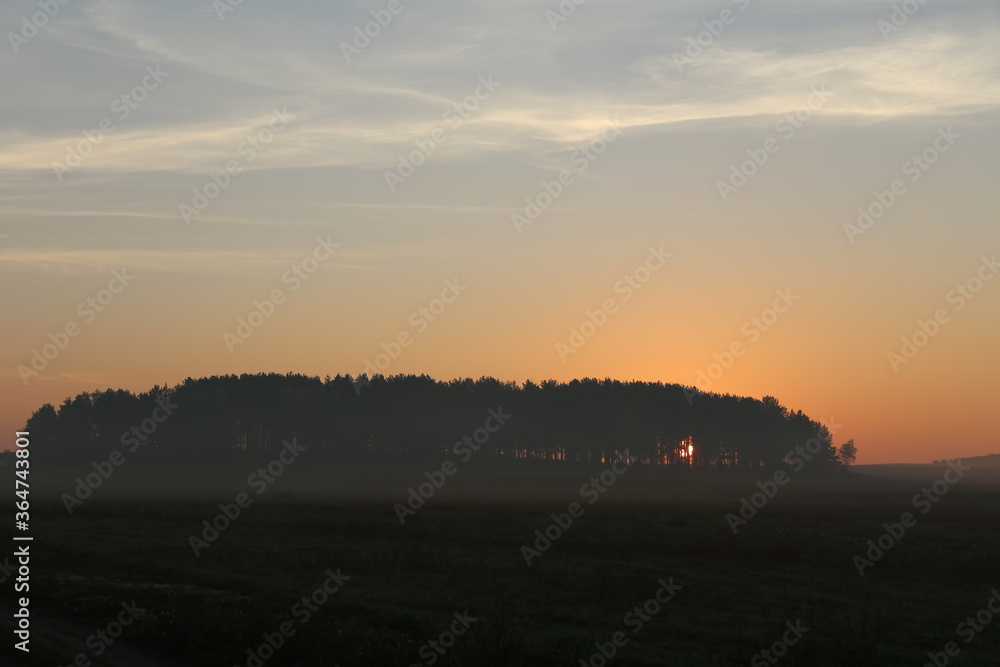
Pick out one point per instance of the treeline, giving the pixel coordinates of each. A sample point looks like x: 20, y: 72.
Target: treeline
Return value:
x: 983, y: 460
x: 417, y: 417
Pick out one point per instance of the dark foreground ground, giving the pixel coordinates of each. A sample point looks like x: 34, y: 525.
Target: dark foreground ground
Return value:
x: 734, y: 595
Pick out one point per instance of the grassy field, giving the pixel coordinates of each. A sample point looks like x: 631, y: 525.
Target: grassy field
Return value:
x: 461, y: 553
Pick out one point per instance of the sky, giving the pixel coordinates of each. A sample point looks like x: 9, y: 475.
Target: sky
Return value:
x: 759, y: 198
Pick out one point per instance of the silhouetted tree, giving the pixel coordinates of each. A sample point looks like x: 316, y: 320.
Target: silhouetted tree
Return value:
x: 417, y: 417
x: 848, y: 452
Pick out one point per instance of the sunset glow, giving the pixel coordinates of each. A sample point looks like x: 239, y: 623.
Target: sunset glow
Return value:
x: 596, y: 208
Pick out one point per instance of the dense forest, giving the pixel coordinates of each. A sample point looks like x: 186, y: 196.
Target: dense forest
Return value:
x: 416, y: 417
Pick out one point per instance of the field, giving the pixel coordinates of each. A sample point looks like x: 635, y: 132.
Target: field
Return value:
x: 724, y: 598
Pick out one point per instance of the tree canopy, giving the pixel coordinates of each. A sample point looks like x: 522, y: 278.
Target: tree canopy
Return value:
x: 409, y: 416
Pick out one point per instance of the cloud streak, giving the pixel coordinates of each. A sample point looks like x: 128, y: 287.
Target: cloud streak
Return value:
x: 363, y: 116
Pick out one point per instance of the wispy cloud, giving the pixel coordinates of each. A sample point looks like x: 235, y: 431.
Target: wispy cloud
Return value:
x: 363, y: 115
x: 180, y: 261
